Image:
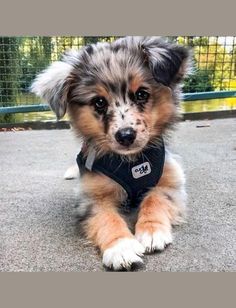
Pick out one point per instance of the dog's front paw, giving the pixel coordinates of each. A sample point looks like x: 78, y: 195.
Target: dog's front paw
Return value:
x: 123, y: 254
x: 156, y: 241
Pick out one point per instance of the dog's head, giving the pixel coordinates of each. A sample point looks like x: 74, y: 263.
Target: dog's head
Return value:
x: 120, y: 96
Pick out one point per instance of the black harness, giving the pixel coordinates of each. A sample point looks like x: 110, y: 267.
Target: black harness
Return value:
x: 136, y: 177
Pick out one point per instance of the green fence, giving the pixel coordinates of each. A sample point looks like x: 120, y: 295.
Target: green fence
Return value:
x: 21, y: 58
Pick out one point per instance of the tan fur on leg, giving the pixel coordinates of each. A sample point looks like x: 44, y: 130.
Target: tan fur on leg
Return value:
x: 106, y: 228
x: 110, y: 233
x: 153, y: 228
x: 161, y: 208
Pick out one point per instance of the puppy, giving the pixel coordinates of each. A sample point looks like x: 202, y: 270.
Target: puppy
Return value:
x: 123, y: 100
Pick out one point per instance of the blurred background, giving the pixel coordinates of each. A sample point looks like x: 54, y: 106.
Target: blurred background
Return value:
x: 21, y: 58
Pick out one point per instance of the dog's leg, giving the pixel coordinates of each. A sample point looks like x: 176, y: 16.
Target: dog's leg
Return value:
x: 105, y: 227
x: 162, y: 207
x: 109, y: 232
x: 153, y: 228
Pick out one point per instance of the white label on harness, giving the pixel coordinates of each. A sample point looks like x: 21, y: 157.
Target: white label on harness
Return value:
x: 141, y: 170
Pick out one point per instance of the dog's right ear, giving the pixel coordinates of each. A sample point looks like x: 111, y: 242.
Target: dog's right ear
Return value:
x: 51, y: 84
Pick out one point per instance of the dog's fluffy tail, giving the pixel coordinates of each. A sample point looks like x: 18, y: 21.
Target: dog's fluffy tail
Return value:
x: 72, y: 172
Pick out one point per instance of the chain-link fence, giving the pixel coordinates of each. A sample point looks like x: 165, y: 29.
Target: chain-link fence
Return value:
x: 215, y: 63
x: 21, y: 58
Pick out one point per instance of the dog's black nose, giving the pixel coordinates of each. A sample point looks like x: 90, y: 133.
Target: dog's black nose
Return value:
x: 125, y: 136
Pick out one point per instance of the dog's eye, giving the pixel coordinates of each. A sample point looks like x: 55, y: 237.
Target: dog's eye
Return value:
x: 100, y: 103
x: 141, y: 95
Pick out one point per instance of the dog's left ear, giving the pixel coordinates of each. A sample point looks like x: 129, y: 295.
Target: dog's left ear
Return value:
x: 168, y: 62
x: 52, y: 84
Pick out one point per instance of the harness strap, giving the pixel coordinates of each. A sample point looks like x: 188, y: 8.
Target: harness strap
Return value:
x: 136, y: 177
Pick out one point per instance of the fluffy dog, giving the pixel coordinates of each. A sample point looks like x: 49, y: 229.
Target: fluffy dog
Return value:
x: 123, y: 100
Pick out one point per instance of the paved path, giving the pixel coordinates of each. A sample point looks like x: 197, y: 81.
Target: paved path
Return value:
x: 38, y: 231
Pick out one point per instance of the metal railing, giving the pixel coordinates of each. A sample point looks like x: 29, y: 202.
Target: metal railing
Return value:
x: 186, y: 97
x: 22, y: 58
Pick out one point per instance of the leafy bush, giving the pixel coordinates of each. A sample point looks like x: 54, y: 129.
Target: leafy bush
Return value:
x: 199, y: 81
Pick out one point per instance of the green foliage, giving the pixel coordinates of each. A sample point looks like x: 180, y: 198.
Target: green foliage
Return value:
x: 34, y: 55
x: 21, y: 58
x: 199, y: 81
x: 9, y: 71
x: 214, y: 57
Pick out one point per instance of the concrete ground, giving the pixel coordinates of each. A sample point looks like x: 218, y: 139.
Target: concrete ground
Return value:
x: 38, y: 231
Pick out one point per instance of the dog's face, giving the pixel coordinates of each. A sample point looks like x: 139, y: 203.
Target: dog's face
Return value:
x: 120, y: 96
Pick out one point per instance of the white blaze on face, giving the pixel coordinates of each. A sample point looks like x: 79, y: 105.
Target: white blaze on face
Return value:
x: 125, y: 116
